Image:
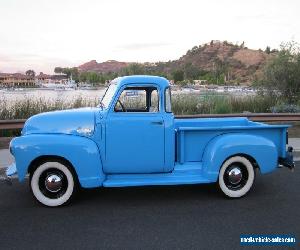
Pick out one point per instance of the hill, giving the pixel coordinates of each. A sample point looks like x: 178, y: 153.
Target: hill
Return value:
x: 104, y: 67
x: 223, y: 61
x: 235, y: 61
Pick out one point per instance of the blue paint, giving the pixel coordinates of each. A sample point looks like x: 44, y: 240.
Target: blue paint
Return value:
x: 223, y: 146
x: 81, y: 152
x: 115, y: 149
x: 61, y: 122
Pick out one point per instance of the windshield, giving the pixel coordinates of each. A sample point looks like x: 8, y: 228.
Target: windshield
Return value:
x: 110, y: 91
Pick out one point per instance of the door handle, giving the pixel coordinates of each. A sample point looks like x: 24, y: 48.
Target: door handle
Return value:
x: 158, y: 122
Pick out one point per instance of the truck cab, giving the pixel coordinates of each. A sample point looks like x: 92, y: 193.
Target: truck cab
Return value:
x: 138, y: 122
x: 132, y: 139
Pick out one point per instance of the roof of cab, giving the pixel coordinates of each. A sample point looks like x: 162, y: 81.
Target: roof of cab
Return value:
x: 163, y: 82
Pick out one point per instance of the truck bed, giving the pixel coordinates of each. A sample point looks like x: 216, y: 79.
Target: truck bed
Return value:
x: 192, y: 135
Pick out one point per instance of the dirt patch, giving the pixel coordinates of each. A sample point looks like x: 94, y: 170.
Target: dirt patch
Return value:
x: 250, y: 57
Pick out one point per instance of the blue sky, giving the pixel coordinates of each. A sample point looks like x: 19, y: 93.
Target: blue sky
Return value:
x: 41, y: 34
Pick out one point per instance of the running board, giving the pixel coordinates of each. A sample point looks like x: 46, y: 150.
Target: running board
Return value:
x: 182, y: 174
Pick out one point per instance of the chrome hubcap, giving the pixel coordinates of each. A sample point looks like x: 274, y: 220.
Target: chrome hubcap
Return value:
x: 53, y: 183
x: 235, y: 175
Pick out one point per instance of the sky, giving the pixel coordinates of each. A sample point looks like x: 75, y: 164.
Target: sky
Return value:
x: 40, y: 34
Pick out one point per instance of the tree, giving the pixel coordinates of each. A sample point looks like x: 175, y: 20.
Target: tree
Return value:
x: 58, y: 70
x: 178, y: 75
x: 83, y: 76
x: 282, y: 74
x: 268, y: 50
x: 220, y: 70
x: 134, y: 69
x: 191, y: 72
x: 75, y: 74
x: 30, y: 73
x: 69, y: 72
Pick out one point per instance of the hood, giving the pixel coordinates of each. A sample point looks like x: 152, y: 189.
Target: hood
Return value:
x: 74, y: 122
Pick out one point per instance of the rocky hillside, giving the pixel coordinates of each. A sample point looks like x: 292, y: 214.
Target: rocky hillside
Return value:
x: 104, y: 67
x: 236, y: 63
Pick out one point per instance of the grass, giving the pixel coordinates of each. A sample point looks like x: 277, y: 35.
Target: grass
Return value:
x: 181, y: 104
x: 23, y: 109
x: 217, y: 104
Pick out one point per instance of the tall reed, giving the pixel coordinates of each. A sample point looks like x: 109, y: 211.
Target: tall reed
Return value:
x: 181, y: 104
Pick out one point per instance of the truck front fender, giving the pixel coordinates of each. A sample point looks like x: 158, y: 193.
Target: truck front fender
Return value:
x: 262, y: 150
x: 81, y: 152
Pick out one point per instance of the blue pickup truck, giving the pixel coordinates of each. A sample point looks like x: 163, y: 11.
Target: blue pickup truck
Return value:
x: 133, y: 139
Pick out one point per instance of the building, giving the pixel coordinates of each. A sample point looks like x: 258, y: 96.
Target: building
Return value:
x: 200, y: 82
x: 51, y: 79
x: 16, y: 80
x: 12, y: 80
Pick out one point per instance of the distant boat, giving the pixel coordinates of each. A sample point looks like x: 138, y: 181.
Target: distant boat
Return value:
x: 66, y: 86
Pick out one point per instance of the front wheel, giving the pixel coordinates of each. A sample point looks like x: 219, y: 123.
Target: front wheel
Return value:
x: 236, y: 176
x: 52, y: 184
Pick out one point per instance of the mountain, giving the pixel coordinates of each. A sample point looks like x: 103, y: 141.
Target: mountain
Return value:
x: 104, y: 67
x: 233, y: 62
x: 236, y: 61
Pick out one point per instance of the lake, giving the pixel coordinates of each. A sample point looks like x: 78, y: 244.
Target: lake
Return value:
x: 11, y: 96
x: 50, y: 94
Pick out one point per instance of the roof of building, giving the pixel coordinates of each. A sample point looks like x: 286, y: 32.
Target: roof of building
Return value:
x: 16, y: 75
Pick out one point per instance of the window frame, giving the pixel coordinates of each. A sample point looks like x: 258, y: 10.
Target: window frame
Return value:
x: 165, y: 101
x: 138, y: 85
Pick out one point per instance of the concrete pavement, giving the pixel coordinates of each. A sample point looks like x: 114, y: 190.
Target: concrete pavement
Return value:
x: 169, y: 217
x: 5, y: 158
x: 295, y: 143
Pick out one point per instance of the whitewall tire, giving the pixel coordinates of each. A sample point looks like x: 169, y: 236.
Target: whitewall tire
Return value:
x: 236, y: 176
x: 52, y: 184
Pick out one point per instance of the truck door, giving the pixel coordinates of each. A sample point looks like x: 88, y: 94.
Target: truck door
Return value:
x: 135, y: 132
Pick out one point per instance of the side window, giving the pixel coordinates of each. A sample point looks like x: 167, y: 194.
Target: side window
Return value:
x: 168, y: 106
x: 154, y: 101
x: 138, y: 99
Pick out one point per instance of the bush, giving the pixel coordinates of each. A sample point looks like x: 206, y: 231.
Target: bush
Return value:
x: 286, y: 108
x: 282, y: 75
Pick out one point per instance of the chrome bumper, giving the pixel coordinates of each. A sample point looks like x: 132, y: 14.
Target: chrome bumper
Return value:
x: 289, y: 160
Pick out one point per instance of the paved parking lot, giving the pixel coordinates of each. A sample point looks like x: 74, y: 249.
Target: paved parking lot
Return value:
x: 179, y: 217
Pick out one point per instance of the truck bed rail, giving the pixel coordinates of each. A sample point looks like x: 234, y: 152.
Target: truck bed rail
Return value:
x: 257, y: 117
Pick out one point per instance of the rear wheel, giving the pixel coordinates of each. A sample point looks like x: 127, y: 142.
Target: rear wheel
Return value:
x: 236, y: 176
x: 52, y: 184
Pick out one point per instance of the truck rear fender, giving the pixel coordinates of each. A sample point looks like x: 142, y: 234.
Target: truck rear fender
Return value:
x: 257, y: 148
x: 81, y: 152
